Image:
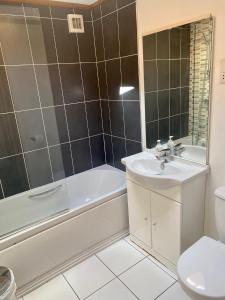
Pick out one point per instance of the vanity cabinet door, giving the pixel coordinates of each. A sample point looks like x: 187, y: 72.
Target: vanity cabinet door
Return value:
x: 139, y: 212
x: 166, y: 223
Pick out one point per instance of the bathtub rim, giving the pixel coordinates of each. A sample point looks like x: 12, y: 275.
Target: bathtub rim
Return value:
x: 50, y: 222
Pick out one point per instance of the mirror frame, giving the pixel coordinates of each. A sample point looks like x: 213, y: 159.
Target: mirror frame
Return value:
x: 141, y: 75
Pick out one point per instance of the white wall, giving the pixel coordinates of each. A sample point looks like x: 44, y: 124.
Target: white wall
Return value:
x: 160, y: 14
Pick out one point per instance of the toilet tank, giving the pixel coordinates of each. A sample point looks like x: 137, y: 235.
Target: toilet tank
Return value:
x: 220, y: 212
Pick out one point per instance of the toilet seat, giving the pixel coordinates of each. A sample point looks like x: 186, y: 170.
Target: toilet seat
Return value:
x: 201, y: 269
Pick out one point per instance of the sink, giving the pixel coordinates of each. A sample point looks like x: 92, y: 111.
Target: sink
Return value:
x: 145, y: 169
x: 194, y: 153
x: 152, y: 167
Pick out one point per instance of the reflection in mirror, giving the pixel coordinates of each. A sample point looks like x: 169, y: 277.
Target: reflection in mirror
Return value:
x: 177, y: 69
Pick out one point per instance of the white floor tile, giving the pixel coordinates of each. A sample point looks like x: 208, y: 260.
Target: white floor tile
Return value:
x: 114, y: 290
x: 174, y: 293
x: 88, y: 276
x: 136, y: 246
x: 146, y: 280
x: 56, y: 289
x: 120, y: 256
x: 155, y: 261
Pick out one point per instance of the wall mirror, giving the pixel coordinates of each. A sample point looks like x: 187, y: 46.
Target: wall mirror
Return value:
x: 177, y: 72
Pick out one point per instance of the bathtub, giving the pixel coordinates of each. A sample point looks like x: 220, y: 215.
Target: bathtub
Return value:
x: 49, y: 229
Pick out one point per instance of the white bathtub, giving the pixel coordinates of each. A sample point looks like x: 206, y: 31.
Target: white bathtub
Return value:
x: 48, y: 229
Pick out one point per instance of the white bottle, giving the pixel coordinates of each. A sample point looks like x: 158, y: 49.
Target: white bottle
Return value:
x: 158, y: 147
x: 170, y: 145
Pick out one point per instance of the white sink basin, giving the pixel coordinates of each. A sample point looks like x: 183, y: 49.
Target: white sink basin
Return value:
x: 145, y: 169
x: 152, y: 167
x: 194, y: 153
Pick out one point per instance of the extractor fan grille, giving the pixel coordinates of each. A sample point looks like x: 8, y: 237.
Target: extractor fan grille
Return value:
x: 76, y: 23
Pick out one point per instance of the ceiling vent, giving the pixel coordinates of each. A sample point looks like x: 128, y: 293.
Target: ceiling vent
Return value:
x: 76, y: 23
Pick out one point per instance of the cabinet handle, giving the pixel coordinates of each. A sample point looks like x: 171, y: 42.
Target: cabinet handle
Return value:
x: 154, y: 224
x: 146, y: 219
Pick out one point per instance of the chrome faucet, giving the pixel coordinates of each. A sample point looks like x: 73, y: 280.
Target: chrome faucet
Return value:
x: 163, y: 155
x: 178, y: 149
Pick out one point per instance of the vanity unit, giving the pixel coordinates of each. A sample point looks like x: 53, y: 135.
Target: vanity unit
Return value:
x: 166, y: 206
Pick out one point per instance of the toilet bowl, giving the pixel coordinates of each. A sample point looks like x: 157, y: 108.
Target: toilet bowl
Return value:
x: 201, y: 268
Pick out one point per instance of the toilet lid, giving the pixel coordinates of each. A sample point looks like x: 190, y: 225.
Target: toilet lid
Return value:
x: 201, y: 268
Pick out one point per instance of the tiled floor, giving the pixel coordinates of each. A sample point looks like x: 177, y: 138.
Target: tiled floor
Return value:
x: 122, y: 271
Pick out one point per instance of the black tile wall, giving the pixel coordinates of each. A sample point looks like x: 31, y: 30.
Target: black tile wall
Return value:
x: 62, y: 109
x: 9, y: 136
x: 94, y: 117
x: 127, y: 30
x: 90, y: 81
x: 55, y: 125
x: 37, y: 11
x: 31, y: 129
x: 110, y: 31
x: 99, y: 39
x: 66, y: 43
x: 113, y: 70
x: 18, y: 36
x: 106, y: 117
x: 23, y: 87
x: 47, y: 131
x: 129, y: 69
x: 39, y: 173
x: 166, y: 71
x: 13, y: 175
x: 61, y: 161
x: 108, y: 6
x: 118, y: 77
x: 81, y: 155
x: 42, y: 40
x: 119, y: 151
x: 77, y: 123
x: 86, y: 44
x: 71, y: 83
x: 48, y: 79
x: 6, y: 103
x: 97, y: 150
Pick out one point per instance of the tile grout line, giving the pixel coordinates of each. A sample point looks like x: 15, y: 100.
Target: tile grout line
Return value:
x: 70, y: 285
x: 62, y: 91
x: 107, y: 87
x: 100, y: 102
x: 162, y: 90
x: 166, y: 290
x: 99, y: 288
x: 117, y: 276
x: 136, y: 248
x: 145, y: 257
x: 169, y: 33
x: 157, y: 80
x: 85, y: 105
x: 180, y: 81
x: 16, y: 120
x: 38, y: 92
x: 123, y: 138
x: 125, y: 6
x: 70, y: 63
x: 36, y: 17
x: 50, y: 146
x: 66, y: 104
x: 121, y: 74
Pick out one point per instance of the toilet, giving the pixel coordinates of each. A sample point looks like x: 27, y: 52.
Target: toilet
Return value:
x: 201, y: 268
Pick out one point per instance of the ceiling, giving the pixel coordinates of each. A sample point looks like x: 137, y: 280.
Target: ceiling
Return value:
x: 88, y: 2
